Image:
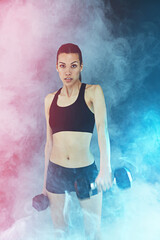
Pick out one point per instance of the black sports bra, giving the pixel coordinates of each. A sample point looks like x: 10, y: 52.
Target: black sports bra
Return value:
x: 75, y: 117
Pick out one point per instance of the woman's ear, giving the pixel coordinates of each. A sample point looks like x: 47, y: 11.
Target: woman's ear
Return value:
x: 81, y: 67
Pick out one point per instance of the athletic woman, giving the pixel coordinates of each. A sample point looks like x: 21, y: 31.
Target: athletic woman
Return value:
x: 71, y: 113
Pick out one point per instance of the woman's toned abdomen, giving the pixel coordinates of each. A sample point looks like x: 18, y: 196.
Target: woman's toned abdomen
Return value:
x: 72, y: 149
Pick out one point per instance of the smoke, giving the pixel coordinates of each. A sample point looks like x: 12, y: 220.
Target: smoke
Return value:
x: 117, y: 57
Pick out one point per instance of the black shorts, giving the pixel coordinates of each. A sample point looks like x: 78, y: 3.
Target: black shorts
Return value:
x: 61, y: 179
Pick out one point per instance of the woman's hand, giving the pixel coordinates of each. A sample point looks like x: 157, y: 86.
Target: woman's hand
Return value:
x: 104, y: 180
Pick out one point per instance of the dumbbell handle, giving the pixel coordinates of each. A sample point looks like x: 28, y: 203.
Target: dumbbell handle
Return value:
x: 93, y: 185
x: 121, y: 176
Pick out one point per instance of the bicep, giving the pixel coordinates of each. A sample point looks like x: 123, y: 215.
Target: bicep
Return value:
x: 49, y: 138
x: 100, y: 110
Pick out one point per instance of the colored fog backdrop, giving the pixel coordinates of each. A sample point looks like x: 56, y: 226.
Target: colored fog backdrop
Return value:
x: 120, y: 48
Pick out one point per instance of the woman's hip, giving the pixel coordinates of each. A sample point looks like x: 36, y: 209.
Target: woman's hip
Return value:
x: 61, y: 179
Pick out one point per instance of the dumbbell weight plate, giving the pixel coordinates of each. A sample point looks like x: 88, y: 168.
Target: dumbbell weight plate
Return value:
x: 40, y: 202
x: 123, y: 178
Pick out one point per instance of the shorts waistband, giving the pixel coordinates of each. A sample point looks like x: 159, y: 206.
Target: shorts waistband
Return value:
x: 78, y: 168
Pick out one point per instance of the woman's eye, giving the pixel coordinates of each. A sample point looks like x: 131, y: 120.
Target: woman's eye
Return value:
x: 62, y: 65
x: 74, y: 65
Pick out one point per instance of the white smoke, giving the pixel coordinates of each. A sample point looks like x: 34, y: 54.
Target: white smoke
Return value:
x: 30, y: 34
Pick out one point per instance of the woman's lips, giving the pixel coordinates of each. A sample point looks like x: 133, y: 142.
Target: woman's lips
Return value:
x: 68, y: 79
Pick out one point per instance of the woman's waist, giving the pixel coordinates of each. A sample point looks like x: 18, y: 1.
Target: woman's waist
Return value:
x: 70, y: 150
x: 72, y: 159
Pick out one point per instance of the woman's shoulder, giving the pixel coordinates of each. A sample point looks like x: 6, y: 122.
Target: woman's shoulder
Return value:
x: 49, y: 98
x: 94, y: 91
x: 91, y: 88
x: 50, y: 95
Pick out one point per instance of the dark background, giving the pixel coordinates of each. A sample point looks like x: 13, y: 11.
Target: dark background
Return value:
x: 139, y: 114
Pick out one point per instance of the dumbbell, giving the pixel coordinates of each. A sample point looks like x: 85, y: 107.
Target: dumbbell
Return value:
x: 121, y: 176
x: 40, y: 202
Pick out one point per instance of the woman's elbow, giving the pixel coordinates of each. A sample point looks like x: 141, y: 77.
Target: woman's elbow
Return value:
x: 102, y: 128
x: 48, y: 144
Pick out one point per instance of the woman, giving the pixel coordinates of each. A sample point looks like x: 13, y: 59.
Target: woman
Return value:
x: 71, y: 113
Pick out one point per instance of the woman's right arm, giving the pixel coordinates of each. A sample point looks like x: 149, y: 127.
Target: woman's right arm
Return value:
x: 49, y: 140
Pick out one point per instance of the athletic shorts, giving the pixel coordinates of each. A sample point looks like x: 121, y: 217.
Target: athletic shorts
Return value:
x: 61, y: 179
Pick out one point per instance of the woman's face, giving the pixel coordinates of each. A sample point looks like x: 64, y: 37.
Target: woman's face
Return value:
x: 69, y: 67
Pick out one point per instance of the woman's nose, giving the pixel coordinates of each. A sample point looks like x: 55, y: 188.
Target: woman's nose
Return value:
x: 68, y: 71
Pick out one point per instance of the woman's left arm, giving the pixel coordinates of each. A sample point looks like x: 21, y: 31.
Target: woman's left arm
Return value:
x: 104, y: 178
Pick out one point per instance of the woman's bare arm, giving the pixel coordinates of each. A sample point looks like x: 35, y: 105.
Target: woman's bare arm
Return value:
x: 100, y: 111
x: 49, y: 138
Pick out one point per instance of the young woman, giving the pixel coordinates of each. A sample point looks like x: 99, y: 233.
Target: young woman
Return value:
x: 71, y: 113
